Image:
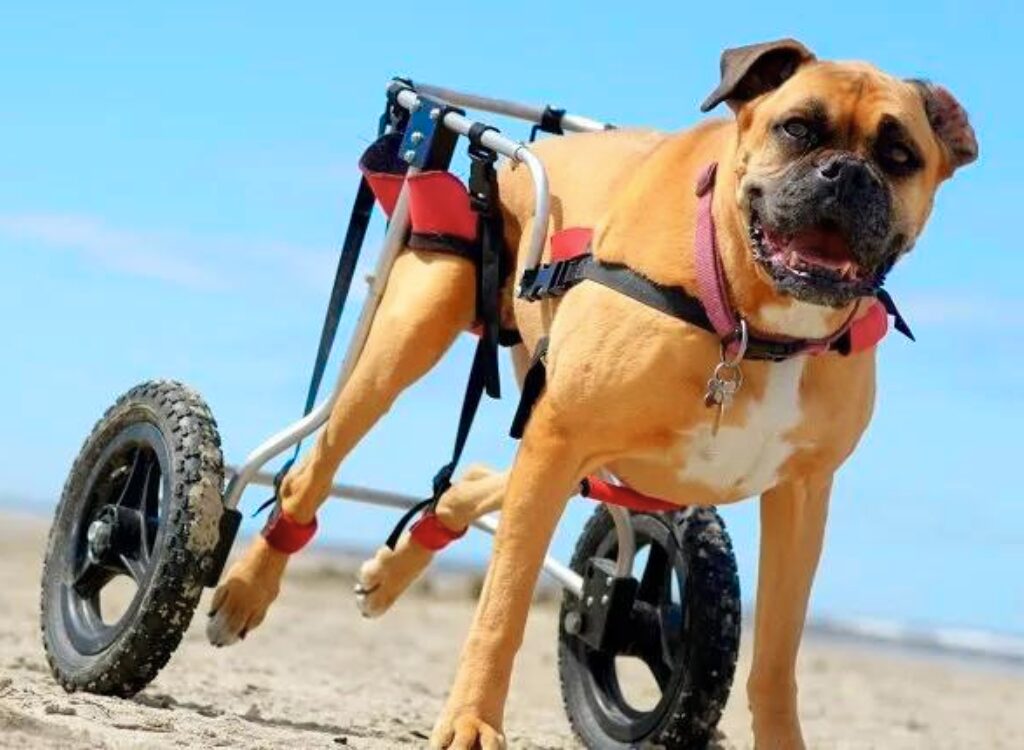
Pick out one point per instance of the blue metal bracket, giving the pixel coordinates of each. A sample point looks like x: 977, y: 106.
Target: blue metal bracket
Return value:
x: 427, y: 144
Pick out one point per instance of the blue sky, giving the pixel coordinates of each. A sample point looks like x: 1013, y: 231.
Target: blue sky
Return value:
x: 174, y: 183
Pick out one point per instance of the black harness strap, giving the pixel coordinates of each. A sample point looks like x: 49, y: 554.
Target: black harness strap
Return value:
x: 671, y: 300
x: 483, y: 193
x: 362, y: 211
x: 555, y: 279
x: 898, y: 320
x: 394, y: 118
x: 533, y: 385
x: 443, y: 479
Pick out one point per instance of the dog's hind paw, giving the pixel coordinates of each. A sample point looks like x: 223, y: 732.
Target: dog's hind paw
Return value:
x: 219, y: 630
x: 247, y: 591
x: 386, y: 575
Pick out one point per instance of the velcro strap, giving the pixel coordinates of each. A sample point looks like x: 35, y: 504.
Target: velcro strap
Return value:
x: 285, y: 534
x: 430, y: 533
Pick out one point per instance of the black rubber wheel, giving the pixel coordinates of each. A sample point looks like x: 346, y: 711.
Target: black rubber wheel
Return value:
x: 686, y: 639
x: 142, y: 505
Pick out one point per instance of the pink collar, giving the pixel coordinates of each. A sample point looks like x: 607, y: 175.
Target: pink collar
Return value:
x: 711, y: 287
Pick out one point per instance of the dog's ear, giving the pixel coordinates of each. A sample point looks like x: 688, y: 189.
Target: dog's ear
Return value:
x: 949, y: 121
x: 748, y: 72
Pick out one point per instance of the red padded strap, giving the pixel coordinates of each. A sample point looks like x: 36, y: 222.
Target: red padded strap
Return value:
x: 439, y: 204
x: 568, y: 243
x: 385, y: 187
x: 869, y: 329
x: 285, y: 534
x: 606, y: 492
x: 430, y: 533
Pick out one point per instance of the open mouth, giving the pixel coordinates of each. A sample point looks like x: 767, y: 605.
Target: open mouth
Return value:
x: 815, y: 263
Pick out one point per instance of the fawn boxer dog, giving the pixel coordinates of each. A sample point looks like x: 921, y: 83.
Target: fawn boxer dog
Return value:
x: 826, y: 175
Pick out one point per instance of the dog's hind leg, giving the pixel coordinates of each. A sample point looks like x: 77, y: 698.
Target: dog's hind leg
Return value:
x: 386, y: 575
x: 479, y: 491
x: 429, y: 299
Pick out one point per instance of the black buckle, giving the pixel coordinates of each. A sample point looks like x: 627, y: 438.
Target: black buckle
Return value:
x: 482, y: 177
x: 552, y: 279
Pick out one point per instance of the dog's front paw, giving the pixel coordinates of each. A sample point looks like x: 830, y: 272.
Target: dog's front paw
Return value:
x: 466, y: 731
x: 386, y: 575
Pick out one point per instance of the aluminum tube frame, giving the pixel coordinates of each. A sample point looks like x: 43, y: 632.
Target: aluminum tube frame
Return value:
x: 528, y: 112
x: 515, y: 150
x: 251, y: 471
x: 394, y: 240
x: 569, y: 579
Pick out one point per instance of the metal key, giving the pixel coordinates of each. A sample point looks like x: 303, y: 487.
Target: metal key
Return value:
x: 727, y: 378
x: 725, y: 382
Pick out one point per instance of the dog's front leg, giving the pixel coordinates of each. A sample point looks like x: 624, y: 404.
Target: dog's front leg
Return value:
x: 546, y: 468
x: 792, y: 530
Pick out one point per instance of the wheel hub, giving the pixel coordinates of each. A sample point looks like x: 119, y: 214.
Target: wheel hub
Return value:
x: 100, y: 536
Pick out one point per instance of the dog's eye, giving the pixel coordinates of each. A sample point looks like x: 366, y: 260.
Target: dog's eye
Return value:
x: 797, y: 127
x: 898, y: 158
x: 899, y: 154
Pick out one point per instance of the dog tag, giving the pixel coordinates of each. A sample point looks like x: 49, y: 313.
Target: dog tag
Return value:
x: 725, y: 382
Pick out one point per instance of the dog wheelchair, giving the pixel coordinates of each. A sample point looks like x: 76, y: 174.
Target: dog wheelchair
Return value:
x: 150, y: 497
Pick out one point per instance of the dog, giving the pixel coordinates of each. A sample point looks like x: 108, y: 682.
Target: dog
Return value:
x: 826, y: 175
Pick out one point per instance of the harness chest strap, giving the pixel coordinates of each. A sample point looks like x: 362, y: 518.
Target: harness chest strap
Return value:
x: 710, y: 310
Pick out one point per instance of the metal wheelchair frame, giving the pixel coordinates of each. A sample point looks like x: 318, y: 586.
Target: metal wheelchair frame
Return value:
x: 432, y: 102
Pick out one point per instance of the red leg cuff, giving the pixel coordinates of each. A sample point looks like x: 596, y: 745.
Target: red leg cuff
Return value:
x: 430, y: 533
x: 285, y: 534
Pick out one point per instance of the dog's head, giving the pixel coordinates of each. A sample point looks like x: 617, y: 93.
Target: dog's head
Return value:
x: 836, y: 165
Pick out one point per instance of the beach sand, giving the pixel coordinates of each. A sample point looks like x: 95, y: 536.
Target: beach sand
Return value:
x: 316, y: 674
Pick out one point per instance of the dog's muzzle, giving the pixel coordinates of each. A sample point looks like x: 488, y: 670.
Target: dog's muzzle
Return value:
x: 823, y: 231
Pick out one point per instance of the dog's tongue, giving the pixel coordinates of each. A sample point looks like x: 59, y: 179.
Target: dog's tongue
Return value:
x: 822, y: 246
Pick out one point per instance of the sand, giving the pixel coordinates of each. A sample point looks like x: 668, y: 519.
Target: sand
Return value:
x: 317, y: 675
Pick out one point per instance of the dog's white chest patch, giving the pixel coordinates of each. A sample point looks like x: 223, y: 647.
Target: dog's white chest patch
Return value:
x: 743, y: 461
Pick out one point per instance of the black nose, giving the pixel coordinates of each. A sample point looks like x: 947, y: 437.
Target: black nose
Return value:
x: 847, y: 172
x: 851, y: 194
x: 832, y: 168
